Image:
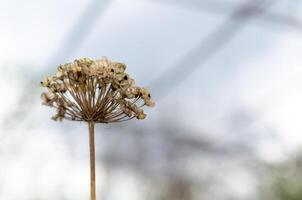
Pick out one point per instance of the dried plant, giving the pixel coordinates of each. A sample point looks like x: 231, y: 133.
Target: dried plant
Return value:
x: 94, y: 91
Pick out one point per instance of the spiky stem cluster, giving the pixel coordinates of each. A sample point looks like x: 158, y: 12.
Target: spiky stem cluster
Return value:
x: 98, y: 91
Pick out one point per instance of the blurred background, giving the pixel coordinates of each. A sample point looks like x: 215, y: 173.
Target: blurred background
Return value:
x: 226, y: 76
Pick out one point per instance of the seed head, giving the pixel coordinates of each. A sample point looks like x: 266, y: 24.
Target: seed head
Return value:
x: 95, y: 91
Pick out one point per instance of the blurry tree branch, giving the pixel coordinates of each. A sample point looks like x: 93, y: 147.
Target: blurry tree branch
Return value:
x: 70, y: 44
x: 76, y: 36
x: 208, y: 47
x: 219, y: 8
x: 165, y: 151
x: 282, y: 181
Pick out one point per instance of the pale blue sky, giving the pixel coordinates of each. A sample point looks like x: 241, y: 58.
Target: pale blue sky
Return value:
x: 248, y: 93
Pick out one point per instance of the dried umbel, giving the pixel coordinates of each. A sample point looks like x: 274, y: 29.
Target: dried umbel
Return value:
x: 94, y: 91
x: 97, y: 91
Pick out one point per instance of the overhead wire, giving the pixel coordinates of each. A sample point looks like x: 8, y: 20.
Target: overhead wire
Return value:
x: 74, y: 38
x: 207, y: 47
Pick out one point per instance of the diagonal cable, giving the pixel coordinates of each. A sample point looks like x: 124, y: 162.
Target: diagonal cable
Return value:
x: 70, y: 44
x: 79, y: 32
x: 208, y: 47
x: 222, y: 9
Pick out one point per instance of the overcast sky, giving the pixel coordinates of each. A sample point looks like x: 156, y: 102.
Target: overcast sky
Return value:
x: 250, y: 91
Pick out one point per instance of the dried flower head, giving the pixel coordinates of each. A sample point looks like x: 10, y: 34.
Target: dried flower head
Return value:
x: 95, y: 91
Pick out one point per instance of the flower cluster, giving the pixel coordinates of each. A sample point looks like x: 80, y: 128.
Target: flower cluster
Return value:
x: 95, y: 91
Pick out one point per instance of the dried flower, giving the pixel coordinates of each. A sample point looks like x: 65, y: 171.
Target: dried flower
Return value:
x: 97, y: 91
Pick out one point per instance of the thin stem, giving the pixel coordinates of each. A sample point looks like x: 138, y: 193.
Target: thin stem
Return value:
x: 92, y: 160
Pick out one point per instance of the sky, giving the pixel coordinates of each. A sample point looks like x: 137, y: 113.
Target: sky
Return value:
x: 248, y: 93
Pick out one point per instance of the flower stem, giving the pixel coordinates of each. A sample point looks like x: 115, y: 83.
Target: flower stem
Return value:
x: 92, y: 160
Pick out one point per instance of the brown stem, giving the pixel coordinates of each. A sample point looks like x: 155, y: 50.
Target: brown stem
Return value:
x: 92, y: 160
